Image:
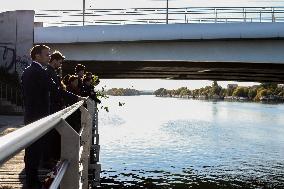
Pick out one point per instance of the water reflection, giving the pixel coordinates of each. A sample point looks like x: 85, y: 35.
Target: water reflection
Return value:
x: 171, y: 143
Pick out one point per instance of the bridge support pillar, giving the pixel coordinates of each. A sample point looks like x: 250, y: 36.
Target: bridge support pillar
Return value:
x: 70, y: 145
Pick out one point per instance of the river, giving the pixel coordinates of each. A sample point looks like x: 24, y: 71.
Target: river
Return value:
x: 154, y: 142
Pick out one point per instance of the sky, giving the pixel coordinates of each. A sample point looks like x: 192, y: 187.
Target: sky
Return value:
x: 77, y: 4
x: 141, y: 84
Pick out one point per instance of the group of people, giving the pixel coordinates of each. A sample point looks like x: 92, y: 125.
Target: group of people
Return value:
x: 44, y: 93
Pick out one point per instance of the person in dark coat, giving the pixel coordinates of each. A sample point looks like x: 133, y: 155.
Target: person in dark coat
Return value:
x: 55, y: 63
x: 37, y: 85
x: 53, y: 150
x: 89, y: 90
x: 74, y: 120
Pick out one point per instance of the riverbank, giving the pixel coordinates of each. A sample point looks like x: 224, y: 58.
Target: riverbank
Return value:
x: 10, y: 123
x: 230, y: 99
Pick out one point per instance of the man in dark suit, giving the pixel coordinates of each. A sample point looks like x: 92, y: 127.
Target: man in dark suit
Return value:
x: 53, y: 68
x: 52, y: 152
x: 37, y: 86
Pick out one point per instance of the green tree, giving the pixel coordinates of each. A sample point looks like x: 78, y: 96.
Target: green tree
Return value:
x: 252, y: 92
x: 215, y: 89
x: 241, y: 92
x: 158, y: 92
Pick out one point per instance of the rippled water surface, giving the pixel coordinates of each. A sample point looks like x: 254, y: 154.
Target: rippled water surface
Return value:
x: 174, y: 143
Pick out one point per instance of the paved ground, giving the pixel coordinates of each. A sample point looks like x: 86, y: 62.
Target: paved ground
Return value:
x: 11, y: 120
x: 12, y: 172
x: 10, y: 123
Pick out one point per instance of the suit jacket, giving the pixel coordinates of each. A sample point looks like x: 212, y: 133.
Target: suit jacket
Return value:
x: 56, y: 99
x: 37, y: 85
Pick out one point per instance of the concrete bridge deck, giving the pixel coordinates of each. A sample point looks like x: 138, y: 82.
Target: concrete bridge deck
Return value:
x: 236, y: 51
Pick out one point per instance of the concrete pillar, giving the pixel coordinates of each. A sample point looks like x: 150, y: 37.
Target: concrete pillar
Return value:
x: 16, y: 40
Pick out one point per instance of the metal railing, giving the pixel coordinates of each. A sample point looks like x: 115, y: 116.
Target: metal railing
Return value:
x: 12, y: 95
x: 75, y: 147
x: 160, y: 15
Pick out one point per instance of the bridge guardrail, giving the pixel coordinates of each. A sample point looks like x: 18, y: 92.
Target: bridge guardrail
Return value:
x: 75, y: 147
x: 10, y: 93
x: 171, y: 15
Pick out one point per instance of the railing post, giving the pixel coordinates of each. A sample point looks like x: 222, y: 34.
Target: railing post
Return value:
x: 84, y: 9
x: 94, y: 167
x: 273, y: 16
x: 216, y: 15
x: 11, y: 95
x: 16, y: 96
x: 6, y: 97
x: 70, y: 145
x: 167, y: 16
x: 1, y: 90
x: 86, y: 123
x: 245, y: 14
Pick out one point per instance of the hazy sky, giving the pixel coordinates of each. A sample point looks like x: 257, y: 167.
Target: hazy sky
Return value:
x: 138, y: 84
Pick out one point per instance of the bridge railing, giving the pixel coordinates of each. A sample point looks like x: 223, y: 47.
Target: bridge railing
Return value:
x: 75, y: 147
x: 160, y: 15
x: 11, y: 94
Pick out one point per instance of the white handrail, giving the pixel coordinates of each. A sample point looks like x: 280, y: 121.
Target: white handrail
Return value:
x: 57, y: 180
x: 18, y: 140
x: 75, y: 158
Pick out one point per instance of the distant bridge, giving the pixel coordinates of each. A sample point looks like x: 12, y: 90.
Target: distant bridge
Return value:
x: 229, y: 51
x: 247, y: 46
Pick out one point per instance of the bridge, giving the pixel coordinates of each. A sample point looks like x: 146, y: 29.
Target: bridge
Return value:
x: 230, y: 51
x: 208, y: 43
x: 227, y: 43
x: 215, y: 46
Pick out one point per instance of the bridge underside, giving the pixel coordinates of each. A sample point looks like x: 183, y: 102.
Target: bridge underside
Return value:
x: 183, y: 70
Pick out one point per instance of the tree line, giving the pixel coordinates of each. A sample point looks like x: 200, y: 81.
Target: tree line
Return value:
x: 215, y: 91
x: 122, y: 92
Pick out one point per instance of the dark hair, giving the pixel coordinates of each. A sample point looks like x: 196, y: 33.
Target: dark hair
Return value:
x: 79, y: 67
x: 38, y: 50
x: 56, y: 55
x: 88, y: 74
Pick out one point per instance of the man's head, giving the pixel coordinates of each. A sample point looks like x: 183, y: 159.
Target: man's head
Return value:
x: 73, y: 81
x: 79, y: 70
x: 56, y: 59
x: 40, y: 54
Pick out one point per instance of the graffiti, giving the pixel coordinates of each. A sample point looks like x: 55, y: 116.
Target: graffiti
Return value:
x: 7, y: 58
x: 11, y: 62
x: 22, y: 62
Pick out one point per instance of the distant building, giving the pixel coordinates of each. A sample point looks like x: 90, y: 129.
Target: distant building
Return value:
x: 232, y: 86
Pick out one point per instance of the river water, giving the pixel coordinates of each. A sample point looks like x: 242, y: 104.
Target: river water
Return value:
x: 153, y: 142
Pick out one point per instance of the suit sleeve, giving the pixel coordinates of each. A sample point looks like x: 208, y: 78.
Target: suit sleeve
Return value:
x: 66, y: 95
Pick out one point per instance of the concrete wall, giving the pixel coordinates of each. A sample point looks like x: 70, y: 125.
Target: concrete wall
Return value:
x: 157, y: 32
x: 243, y: 51
x: 16, y: 40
